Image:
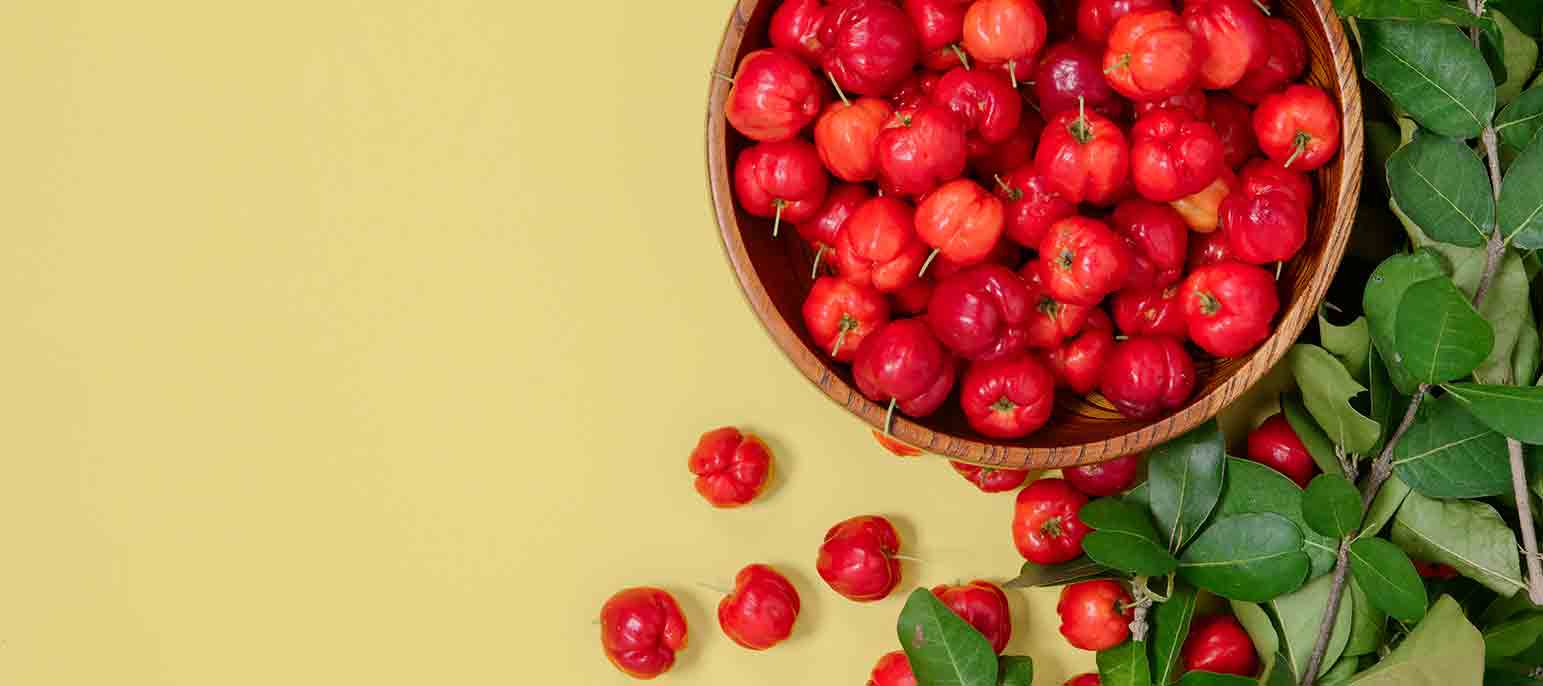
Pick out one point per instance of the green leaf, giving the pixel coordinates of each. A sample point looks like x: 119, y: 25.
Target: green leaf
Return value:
x: 1326, y: 390
x: 1252, y: 487
x: 1441, y: 184
x: 1170, y: 627
x: 1349, y: 343
x: 1340, y: 673
x: 1521, y: 119
x: 1448, y: 453
x: 1301, y: 616
x: 1276, y: 668
x: 1123, y: 665
x: 1501, y: 677
x: 1528, y: 14
x: 1420, y: 10
x: 1521, y: 57
x: 1431, y: 70
x: 1389, y: 498
x: 1440, y: 337
x: 1015, y: 670
x: 1312, y: 435
x: 1521, y: 198
x: 1387, y: 406
x: 1512, y: 637
x: 1443, y: 650
x: 1516, y: 411
x: 944, y: 650
x: 1529, y: 351
x: 1251, y: 557
x: 1332, y: 506
x: 1185, y: 477
x: 1388, y: 579
x: 1507, y: 308
x: 1467, y: 534
x: 1503, y: 608
x: 1366, y: 623
x: 1124, y: 538
x: 1198, y: 678
x: 1038, y: 576
x: 1384, y: 293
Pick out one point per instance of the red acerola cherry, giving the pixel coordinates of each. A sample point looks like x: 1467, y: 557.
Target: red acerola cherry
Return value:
x: 893, y: 669
x: 1006, y: 32
x: 1083, y: 260
x: 989, y: 106
x: 870, y: 46
x: 1202, y: 211
x: 1046, y: 529
x: 920, y: 150
x: 1078, y: 363
x: 1152, y: 55
x: 1286, y: 58
x: 1298, y: 127
x: 731, y: 468
x: 1158, y: 240
x: 1095, y: 615
x: 1032, y: 206
x: 1084, y: 679
x: 781, y: 181
x: 1264, y: 227
x: 840, y: 314
x: 774, y: 96
x: 795, y: 27
x: 847, y: 136
x: 990, y: 479
x: 961, y: 221
x: 1267, y: 176
x: 1096, y: 18
x: 858, y: 560
x: 1105, y: 479
x: 1007, y: 398
x: 1071, y: 74
x: 1235, y: 37
x: 1150, y: 312
x: 878, y: 246
x: 1147, y: 376
x: 762, y: 609
x: 1435, y: 571
x: 1219, y: 644
x: 1234, y: 125
x: 904, y: 365
x: 1229, y: 307
x: 980, y: 313
x: 822, y: 231
x: 939, y: 23
x: 1276, y: 445
x: 984, y: 606
x: 1051, y: 321
x: 1208, y: 248
x: 1085, y: 157
x: 641, y: 629
x: 914, y: 91
x: 1173, y: 155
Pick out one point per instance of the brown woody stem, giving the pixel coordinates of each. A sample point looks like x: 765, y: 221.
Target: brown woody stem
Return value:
x: 930, y: 257
x: 814, y: 272
x: 839, y: 93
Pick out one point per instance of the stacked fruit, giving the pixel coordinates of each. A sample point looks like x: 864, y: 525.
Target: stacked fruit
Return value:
x: 1012, y: 205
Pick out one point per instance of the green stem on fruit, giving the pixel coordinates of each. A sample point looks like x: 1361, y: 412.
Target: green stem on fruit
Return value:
x: 1122, y: 63
x: 1300, y: 145
x: 777, y: 221
x: 1012, y: 73
x: 930, y: 257
x: 1012, y: 193
x: 1262, y: 7
x: 1278, y: 267
x: 814, y: 273
x: 1079, y: 127
x: 889, y: 416
x: 723, y: 76
x: 964, y: 59
x: 839, y: 93
x: 848, y: 323
x: 714, y: 589
x: 907, y: 558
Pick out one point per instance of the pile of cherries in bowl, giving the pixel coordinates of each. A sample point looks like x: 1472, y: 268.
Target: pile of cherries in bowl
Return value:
x: 1011, y: 205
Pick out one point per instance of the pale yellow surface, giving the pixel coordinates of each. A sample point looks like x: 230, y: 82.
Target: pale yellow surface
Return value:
x: 364, y: 342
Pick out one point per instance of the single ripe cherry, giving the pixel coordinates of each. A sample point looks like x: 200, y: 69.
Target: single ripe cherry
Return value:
x: 1105, y: 478
x: 1298, y: 127
x: 1046, y: 529
x: 761, y: 610
x: 1229, y: 307
x: 1152, y: 55
x: 731, y: 468
x: 1007, y: 398
x: 858, y: 560
x: 1148, y: 375
x: 1095, y: 615
x: 1276, y: 445
x: 990, y: 479
x: 893, y: 669
x: 774, y: 96
x: 984, y: 606
x: 641, y: 629
x: 1219, y: 644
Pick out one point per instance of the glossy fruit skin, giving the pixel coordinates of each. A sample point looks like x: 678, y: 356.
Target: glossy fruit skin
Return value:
x: 847, y: 137
x: 921, y: 150
x: 1158, y: 240
x: 1084, y: 679
x: 984, y: 606
x: 1094, y: 614
x: 1263, y: 228
x: 1046, y: 528
x: 1084, y: 260
x: 912, y: 92
x: 980, y: 313
x: 786, y: 175
x: 762, y: 609
x: 839, y: 309
x: 731, y: 468
x: 1208, y: 248
x: 774, y: 96
x: 641, y: 629
x: 961, y: 220
x: 1286, y: 59
x: 1152, y: 55
x: 1202, y: 211
x: 795, y: 27
x: 893, y: 669
x: 1007, y: 398
x: 1105, y: 479
x: 904, y: 362
x: 939, y: 23
x: 1191, y: 101
x: 1434, y: 570
x: 1003, y: 158
x: 1150, y: 312
x: 1234, y: 124
x: 1229, y: 307
x: 1235, y: 37
x: 1085, y: 157
x: 1219, y: 644
x: 984, y: 100
x: 1078, y: 363
x: 1263, y: 176
x: 1173, y: 155
x: 1007, y: 32
x: 1006, y: 253
x: 878, y: 246
x: 870, y: 45
x: 1096, y: 18
x: 1072, y: 69
x: 913, y: 298
x: 1275, y: 445
x: 841, y: 202
x: 1032, y: 206
x: 1052, y: 321
x: 857, y: 558
x: 990, y: 479
x: 1147, y: 376
x: 1302, y: 114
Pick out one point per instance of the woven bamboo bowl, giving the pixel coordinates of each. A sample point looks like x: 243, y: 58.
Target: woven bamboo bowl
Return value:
x: 774, y: 275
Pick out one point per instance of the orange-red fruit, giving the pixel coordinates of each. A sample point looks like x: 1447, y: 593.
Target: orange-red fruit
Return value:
x: 731, y: 468
x: 893, y: 669
x: 762, y: 609
x: 641, y: 629
x: 857, y: 558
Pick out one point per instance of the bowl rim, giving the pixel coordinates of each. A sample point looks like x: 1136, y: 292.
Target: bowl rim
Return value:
x: 1197, y: 411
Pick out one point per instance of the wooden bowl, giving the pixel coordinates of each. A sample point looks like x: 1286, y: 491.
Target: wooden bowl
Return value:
x: 774, y: 274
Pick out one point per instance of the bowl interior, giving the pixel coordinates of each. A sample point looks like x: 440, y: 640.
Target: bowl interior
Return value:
x: 775, y: 276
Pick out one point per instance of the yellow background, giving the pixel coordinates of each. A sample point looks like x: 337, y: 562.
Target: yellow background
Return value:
x: 364, y: 342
